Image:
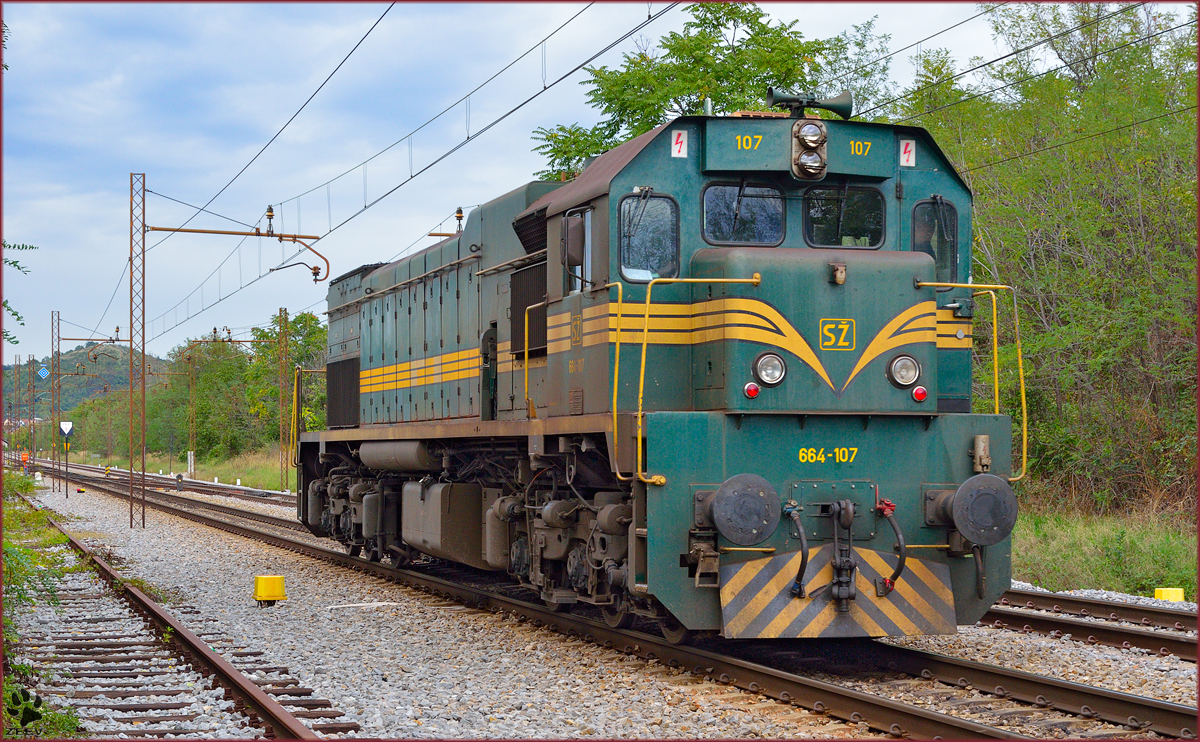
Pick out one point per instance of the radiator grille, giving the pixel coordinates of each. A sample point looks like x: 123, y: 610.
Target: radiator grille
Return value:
x: 341, y: 388
x: 531, y: 231
x: 528, y: 287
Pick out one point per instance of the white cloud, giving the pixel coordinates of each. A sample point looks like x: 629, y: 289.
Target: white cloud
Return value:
x: 189, y: 93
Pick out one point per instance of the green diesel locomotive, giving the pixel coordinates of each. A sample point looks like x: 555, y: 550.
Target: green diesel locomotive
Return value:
x: 721, y: 379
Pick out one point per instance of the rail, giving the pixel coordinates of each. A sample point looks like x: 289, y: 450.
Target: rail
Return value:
x: 742, y: 669
x: 983, y: 288
x: 878, y: 712
x: 280, y: 723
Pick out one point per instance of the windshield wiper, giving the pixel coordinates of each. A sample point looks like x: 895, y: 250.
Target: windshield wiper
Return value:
x: 737, y: 209
x: 635, y: 219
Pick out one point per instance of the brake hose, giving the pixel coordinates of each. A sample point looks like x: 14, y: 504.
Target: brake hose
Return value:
x: 793, y: 511
x: 886, y: 508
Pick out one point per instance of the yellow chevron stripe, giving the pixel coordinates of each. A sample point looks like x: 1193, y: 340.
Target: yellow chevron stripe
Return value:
x: 816, y: 626
x: 743, y: 577
x: 906, y: 589
x: 866, y: 589
x: 780, y: 581
x: 796, y: 607
x: 918, y: 324
x: 861, y: 617
x: 922, y: 572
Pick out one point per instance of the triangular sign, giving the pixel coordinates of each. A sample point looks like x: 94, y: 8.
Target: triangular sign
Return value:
x: 66, y: 427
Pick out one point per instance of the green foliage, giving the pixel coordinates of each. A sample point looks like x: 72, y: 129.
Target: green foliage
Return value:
x: 26, y: 717
x: 1062, y: 550
x: 236, y: 388
x: 729, y: 53
x: 8, y: 262
x: 1098, y: 236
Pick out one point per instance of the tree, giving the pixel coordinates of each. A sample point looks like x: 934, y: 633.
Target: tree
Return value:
x: 729, y: 53
x: 1091, y: 215
x: 7, y: 336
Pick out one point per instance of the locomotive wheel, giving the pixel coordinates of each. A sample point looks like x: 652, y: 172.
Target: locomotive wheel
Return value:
x: 373, y: 555
x: 616, y: 618
x: 674, y: 632
x: 558, y: 607
x: 353, y: 549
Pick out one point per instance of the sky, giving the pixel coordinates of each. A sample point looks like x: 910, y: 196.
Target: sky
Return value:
x: 189, y: 93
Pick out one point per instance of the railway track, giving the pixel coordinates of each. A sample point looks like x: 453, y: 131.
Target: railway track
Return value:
x: 1092, y: 621
x: 115, y: 474
x: 771, y: 677
x: 116, y: 651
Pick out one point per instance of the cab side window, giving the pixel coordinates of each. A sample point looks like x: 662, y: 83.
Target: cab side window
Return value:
x: 935, y: 233
x: 649, y: 229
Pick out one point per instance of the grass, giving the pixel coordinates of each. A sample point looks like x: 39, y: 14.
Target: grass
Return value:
x: 255, y: 468
x: 30, y: 575
x: 1131, y: 553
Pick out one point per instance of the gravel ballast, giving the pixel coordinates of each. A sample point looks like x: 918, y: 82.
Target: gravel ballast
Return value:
x: 403, y: 664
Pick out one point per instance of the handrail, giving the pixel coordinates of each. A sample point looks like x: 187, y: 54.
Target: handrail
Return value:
x: 1020, y: 359
x: 370, y: 293
x: 529, y: 406
x: 995, y: 348
x: 659, y: 479
x: 616, y: 462
x: 515, y: 263
x: 296, y: 397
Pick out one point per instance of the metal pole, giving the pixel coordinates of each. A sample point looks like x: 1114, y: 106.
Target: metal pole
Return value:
x: 55, y: 391
x: 16, y: 398
x: 191, y: 455
x: 137, y: 341
x: 30, y: 400
x: 284, y: 398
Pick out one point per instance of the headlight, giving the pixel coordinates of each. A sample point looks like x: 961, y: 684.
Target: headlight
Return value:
x: 769, y: 369
x: 904, y: 371
x: 811, y: 162
x: 810, y: 135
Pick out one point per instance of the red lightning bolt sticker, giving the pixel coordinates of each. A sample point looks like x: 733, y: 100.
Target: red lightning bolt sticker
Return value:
x: 908, y: 153
x: 679, y: 143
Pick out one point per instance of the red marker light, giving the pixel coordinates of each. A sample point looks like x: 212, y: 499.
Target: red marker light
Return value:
x: 751, y: 390
x: 919, y: 393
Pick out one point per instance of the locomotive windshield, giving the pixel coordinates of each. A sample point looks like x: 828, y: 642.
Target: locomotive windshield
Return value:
x: 743, y: 214
x: 843, y: 216
x: 649, y: 237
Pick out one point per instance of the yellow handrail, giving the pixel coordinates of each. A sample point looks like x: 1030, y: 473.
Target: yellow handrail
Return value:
x: 529, y: 406
x: 616, y: 376
x: 295, y: 414
x: 294, y: 441
x: 616, y: 463
x: 659, y: 479
x: 1020, y: 359
x: 995, y: 348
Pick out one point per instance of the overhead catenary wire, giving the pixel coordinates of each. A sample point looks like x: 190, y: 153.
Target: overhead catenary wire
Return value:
x: 1079, y: 139
x: 282, y: 128
x: 248, y: 164
x: 1027, y: 78
x: 1002, y: 57
x: 206, y: 211
x: 446, y: 154
x: 443, y: 112
x: 502, y: 117
x: 868, y: 65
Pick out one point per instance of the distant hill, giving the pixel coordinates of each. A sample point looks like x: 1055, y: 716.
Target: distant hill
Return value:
x: 111, y: 365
